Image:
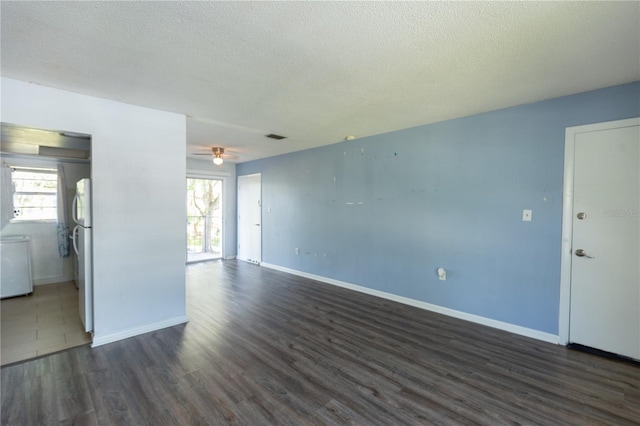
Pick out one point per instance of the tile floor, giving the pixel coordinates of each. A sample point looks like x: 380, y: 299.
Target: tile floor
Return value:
x: 46, y: 321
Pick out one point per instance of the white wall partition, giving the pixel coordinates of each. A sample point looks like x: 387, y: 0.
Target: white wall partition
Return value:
x: 138, y: 172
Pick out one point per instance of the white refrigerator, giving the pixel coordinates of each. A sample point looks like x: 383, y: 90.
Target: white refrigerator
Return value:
x: 82, y: 243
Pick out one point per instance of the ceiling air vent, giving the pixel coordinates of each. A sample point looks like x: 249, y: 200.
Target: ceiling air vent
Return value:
x: 276, y: 137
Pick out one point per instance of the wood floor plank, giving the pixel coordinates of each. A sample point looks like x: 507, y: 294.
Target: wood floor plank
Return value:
x: 74, y: 398
x: 265, y: 347
x: 40, y: 407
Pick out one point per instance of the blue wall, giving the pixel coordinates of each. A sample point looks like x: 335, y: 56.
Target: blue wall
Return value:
x: 386, y: 211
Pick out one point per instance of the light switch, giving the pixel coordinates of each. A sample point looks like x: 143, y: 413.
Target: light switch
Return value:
x: 526, y: 215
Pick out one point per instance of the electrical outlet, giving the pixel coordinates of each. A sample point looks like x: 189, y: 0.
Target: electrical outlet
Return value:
x: 297, y: 250
x: 526, y: 215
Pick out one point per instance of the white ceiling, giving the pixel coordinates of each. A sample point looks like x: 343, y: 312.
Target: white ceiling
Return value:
x: 319, y: 71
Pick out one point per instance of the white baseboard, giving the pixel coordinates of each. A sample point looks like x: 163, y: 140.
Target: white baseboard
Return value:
x: 114, y: 337
x: 52, y: 280
x: 230, y: 257
x: 511, y: 328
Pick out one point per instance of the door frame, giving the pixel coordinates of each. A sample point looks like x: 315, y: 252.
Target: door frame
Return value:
x: 222, y: 176
x: 222, y: 220
x: 238, y: 213
x: 567, y: 216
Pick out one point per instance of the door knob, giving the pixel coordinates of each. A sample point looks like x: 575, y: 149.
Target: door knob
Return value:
x: 581, y: 253
x: 581, y: 215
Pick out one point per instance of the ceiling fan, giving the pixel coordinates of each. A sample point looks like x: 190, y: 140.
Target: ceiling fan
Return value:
x: 217, y: 154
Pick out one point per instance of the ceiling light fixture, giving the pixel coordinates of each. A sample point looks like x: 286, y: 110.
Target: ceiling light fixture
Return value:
x: 217, y: 156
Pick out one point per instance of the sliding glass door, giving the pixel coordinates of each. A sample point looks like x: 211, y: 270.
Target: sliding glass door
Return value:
x: 204, y: 219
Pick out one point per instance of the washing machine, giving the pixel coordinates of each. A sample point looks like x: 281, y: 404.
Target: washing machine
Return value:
x: 15, y: 272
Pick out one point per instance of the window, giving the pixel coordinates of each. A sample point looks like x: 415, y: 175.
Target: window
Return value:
x: 34, y: 193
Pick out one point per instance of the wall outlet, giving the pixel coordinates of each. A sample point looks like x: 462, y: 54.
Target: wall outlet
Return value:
x: 297, y: 250
x: 526, y: 215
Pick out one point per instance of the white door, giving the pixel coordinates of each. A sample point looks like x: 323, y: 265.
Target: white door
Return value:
x: 250, y: 218
x: 605, y: 246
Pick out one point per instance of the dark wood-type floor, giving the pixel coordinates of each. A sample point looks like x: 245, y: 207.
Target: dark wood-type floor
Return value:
x: 264, y: 347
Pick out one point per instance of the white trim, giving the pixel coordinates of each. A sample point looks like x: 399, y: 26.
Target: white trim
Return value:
x: 229, y: 257
x: 251, y: 175
x: 567, y: 216
x: 511, y: 328
x: 206, y: 174
x: 52, y: 280
x: 567, y: 237
x: 114, y: 337
x: 40, y: 160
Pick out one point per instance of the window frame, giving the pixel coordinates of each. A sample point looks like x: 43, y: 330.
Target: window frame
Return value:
x: 34, y: 169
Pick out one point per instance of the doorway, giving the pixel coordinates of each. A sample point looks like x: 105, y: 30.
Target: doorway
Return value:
x: 250, y: 218
x: 600, y: 287
x: 40, y: 168
x: 204, y: 219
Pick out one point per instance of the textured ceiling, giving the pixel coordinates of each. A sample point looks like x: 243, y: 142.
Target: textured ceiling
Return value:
x: 318, y: 71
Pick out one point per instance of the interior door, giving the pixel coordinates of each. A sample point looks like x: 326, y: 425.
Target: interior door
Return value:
x: 605, y: 271
x: 250, y: 218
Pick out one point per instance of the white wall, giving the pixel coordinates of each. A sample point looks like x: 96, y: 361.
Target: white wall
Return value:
x: 139, y: 208
x: 227, y: 172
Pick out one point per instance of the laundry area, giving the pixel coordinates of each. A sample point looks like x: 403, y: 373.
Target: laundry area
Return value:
x: 45, y: 243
